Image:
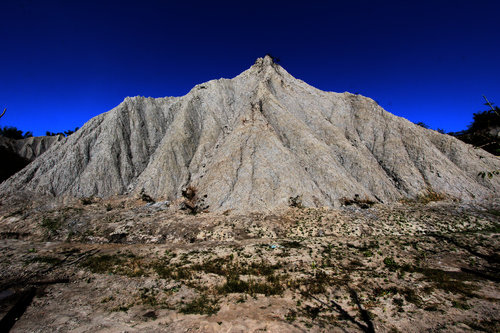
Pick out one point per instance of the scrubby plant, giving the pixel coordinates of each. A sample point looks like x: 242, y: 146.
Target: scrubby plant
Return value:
x: 430, y: 196
x: 391, y: 264
x: 295, y: 201
x: 14, y: 133
x: 145, y: 197
x: 489, y: 174
x: 362, y: 203
x: 87, y: 201
x: 192, y: 202
x: 201, y: 305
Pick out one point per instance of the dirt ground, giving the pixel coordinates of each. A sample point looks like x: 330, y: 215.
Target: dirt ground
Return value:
x: 122, y: 265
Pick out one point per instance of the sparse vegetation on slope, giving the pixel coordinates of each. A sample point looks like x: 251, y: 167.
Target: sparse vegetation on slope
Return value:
x: 313, y: 269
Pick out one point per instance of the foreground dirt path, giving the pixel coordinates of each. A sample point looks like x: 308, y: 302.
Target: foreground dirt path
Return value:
x: 412, y: 267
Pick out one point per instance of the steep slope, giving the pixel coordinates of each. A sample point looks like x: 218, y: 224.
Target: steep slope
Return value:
x: 16, y: 154
x: 252, y: 142
x: 29, y: 148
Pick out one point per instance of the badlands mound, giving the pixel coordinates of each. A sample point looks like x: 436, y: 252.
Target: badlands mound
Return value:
x: 251, y: 143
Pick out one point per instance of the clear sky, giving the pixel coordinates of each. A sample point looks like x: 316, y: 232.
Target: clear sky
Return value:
x: 63, y: 62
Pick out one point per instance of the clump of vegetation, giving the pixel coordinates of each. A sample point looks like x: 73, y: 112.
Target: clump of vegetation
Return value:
x: 489, y: 174
x: 87, y: 201
x: 295, y: 201
x: 192, y: 202
x: 65, y: 133
x: 128, y: 265
x: 175, y: 272
x: 291, y: 244
x: 361, y: 203
x: 367, y: 253
x: 411, y: 296
x: 430, y: 196
x: 391, y: 264
x: 122, y: 308
x: 317, y: 283
x: 145, y: 197
x: 291, y: 316
x: 398, y: 301
x: 201, y: 305
x: 422, y: 124
x: 234, y: 284
x: 478, y: 133
x: 14, y: 133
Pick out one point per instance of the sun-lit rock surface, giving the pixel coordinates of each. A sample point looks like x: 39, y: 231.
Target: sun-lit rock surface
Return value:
x: 252, y: 142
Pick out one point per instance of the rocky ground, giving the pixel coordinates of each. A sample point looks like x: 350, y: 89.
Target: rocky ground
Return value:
x: 123, y: 265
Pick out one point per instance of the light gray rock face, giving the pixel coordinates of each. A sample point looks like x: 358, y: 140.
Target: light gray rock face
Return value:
x: 30, y: 148
x: 252, y: 142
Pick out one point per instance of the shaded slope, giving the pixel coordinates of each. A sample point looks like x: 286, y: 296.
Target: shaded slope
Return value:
x: 16, y: 154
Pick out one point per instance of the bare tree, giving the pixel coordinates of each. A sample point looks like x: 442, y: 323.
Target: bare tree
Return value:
x: 1, y: 115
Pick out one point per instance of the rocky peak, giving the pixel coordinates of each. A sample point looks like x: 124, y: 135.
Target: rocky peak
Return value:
x: 253, y: 142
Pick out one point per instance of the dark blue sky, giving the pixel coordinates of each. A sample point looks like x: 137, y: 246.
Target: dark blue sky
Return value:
x: 63, y: 62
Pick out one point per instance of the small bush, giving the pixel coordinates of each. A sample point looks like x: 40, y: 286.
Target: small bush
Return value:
x: 201, y: 305
x: 189, y: 192
x: 235, y: 285
x: 295, y: 201
x: 14, y: 133
x: 145, y: 197
x: 291, y: 316
x: 391, y: 264
x: 292, y: 244
x: 318, y: 283
x: 398, y: 301
x: 430, y: 196
x: 361, y: 203
x: 87, y: 201
x: 192, y: 203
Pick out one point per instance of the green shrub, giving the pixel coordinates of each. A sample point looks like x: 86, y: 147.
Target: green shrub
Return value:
x: 391, y: 264
x: 201, y: 305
